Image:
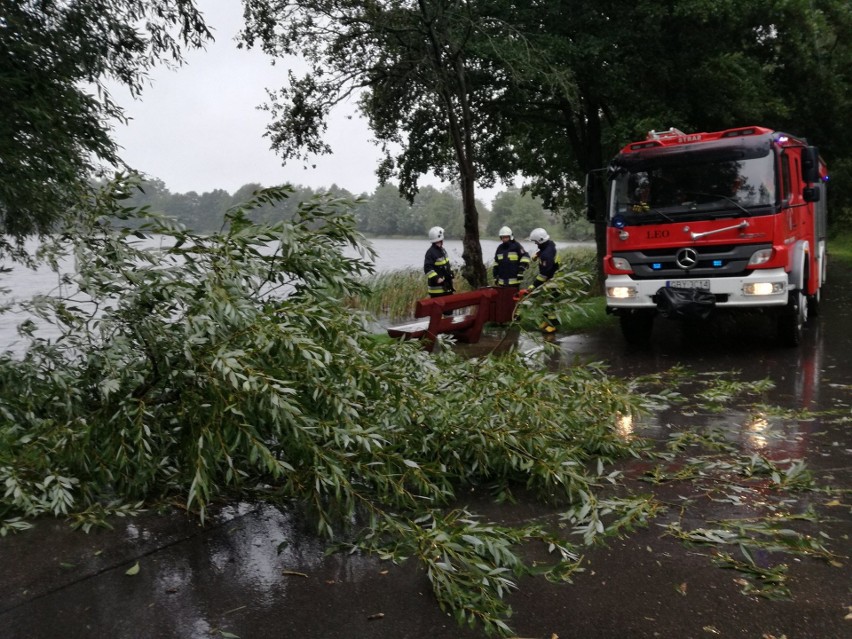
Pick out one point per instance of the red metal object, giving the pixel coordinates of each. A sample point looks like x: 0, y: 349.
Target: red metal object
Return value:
x: 504, y: 303
x: 491, y: 304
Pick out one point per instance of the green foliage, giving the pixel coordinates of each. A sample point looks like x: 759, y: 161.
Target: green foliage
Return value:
x: 775, y: 535
x: 225, y: 366
x: 522, y: 213
x: 559, y: 297
x: 422, y: 87
x: 53, y: 56
x: 383, y: 213
x: 468, y: 561
x: 840, y: 247
x: 587, y: 519
x: 203, y: 213
x: 612, y: 72
x: 770, y: 583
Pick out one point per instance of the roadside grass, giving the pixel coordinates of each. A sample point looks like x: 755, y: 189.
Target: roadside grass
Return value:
x: 840, y: 247
x: 585, y: 315
x: 591, y: 315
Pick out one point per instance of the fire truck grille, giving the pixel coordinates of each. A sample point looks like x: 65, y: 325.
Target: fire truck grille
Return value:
x: 691, y: 261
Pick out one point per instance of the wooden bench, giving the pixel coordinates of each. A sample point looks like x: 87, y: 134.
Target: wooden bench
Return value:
x: 466, y: 327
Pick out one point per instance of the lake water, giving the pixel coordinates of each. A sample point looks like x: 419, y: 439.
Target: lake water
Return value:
x: 396, y: 254
x: 392, y: 254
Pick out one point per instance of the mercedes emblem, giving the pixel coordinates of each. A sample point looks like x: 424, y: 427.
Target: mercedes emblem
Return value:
x: 686, y: 258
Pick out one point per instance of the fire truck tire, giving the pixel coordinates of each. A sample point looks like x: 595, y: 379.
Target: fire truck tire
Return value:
x: 814, y: 303
x: 636, y: 326
x: 815, y: 299
x: 791, y: 322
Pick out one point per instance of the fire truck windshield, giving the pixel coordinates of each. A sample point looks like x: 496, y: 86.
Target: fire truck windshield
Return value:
x: 694, y: 188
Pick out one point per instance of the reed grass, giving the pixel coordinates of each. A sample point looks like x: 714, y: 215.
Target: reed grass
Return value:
x: 392, y: 295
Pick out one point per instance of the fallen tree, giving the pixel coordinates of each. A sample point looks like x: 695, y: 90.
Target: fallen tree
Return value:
x: 224, y: 366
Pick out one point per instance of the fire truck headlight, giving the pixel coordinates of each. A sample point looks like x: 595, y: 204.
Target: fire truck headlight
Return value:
x: 621, y: 264
x: 760, y: 257
x: 764, y: 288
x: 621, y: 292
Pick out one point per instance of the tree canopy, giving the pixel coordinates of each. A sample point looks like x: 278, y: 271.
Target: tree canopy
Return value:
x: 420, y: 84
x: 55, y: 110
x: 480, y: 90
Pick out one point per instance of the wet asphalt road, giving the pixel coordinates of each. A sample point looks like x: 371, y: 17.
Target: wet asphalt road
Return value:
x: 229, y: 580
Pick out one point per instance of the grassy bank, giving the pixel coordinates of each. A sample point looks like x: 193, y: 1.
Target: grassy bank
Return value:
x: 840, y: 247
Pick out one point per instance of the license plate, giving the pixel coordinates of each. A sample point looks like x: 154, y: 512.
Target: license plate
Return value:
x: 703, y: 285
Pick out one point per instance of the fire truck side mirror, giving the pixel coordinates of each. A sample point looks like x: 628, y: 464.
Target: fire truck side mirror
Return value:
x: 810, y: 194
x: 810, y: 165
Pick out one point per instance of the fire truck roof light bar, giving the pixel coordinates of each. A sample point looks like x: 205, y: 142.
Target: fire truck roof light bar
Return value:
x: 735, y: 133
x: 657, y: 135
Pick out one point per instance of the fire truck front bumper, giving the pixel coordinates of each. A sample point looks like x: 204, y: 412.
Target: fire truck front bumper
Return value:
x: 767, y: 287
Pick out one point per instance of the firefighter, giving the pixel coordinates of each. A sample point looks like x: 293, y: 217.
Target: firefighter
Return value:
x: 439, y: 275
x: 510, y: 260
x: 642, y: 195
x: 548, y: 264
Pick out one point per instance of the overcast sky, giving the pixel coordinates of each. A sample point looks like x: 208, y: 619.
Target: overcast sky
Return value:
x: 198, y: 128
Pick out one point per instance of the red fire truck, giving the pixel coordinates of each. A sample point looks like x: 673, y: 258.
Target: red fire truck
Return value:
x: 701, y: 222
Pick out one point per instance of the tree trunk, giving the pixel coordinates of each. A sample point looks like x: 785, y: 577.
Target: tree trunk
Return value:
x: 473, y: 270
x: 454, y: 92
x: 594, y: 160
x: 586, y: 141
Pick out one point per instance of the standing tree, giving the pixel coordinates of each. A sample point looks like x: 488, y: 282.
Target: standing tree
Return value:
x: 522, y: 212
x: 590, y: 75
x: 383, y: 213
x: 420, y: 84
x: 55, y: 110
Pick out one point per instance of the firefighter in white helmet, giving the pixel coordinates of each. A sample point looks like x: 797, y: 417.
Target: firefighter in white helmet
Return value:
x: 548, y: 264
x: 436, y: 265
x: 510, y: 260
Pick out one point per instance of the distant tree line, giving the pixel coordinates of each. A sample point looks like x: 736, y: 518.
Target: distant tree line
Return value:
x: 384, y: 213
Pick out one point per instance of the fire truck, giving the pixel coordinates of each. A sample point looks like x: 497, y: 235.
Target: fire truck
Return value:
x: 732, y: 220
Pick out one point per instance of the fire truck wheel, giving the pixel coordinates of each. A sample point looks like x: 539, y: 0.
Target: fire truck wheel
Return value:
x: 813, y: 303
x: 636, y: 326
x: 792, y: 320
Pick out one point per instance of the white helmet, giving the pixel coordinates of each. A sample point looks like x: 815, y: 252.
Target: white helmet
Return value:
x: 436, y: 234
x: 504, y: 231
x: 539, y: 235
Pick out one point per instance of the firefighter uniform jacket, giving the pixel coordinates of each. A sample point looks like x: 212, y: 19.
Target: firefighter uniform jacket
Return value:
x: 510, y: 262
x: 437, y: 267
x: 548, y: 262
